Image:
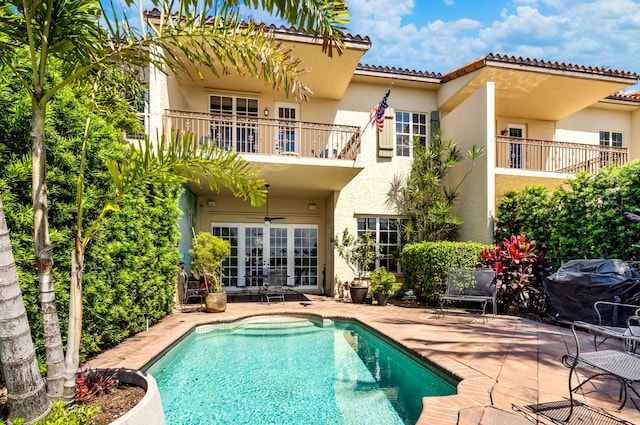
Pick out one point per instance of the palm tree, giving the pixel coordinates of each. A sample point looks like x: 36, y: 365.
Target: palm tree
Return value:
x: 70, y: 31
x: 17, y: 354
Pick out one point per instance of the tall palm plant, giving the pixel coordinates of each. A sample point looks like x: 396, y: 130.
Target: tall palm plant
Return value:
x: 178, y: 35
x: 17, y: 353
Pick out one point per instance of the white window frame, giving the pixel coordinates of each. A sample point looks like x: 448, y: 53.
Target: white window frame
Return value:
x: 407, y: 130
x: 609, y: 139
x: 309, y: 282
x: 376, y: 233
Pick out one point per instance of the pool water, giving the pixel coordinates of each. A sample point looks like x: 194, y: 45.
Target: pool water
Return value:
x: 292, y: 371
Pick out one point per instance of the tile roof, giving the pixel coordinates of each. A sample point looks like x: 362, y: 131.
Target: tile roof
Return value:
x: 536, y: 63
x: 291, y: 30
x: 398, y: 71
x: 629, y: 97
x: 282, y: 29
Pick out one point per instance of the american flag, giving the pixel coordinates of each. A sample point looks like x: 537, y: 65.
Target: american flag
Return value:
x: 377, y: 113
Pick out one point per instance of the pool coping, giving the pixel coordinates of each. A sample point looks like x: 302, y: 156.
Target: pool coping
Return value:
x: 519, y: 355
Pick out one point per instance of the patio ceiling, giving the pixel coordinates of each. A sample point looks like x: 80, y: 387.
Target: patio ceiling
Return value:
x: 298, y: 178
x: 326, y: 77
x: 533, y: 89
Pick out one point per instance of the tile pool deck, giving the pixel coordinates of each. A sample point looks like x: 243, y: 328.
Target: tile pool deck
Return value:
x: 510, y: 366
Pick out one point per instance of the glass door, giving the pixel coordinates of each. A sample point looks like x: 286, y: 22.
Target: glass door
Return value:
x: 258, y: 252
x: 254, y: 262
x: 516, y: 151
x: 287, y: 131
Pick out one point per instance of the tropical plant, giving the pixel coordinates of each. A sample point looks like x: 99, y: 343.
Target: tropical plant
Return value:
x: 358, y: 252
x: 207, y: 254
x: 520, y: 271
x: 70, y: 31
x: 384, y: 282
x: 428, y: 201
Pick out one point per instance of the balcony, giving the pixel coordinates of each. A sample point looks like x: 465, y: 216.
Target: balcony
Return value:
x: 556, y: 157
x: 262, y: 136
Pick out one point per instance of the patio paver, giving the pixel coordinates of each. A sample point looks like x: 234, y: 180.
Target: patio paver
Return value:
x: 509, y: 365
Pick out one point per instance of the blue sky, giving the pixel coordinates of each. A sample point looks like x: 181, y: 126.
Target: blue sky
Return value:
x: 440, y: 35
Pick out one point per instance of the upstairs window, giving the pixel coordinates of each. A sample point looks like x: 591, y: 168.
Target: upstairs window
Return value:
x: 408, y: 126
x: 610, y: 138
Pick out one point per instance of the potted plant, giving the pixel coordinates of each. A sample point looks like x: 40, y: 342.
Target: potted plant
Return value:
x: 384, y: 285
x: 207, y: 254
x: 359, y: 252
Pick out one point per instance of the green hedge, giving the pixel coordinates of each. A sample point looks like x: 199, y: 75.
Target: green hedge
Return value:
x: 425, y: 265
x: 131, y: 263
x: 584, y: 220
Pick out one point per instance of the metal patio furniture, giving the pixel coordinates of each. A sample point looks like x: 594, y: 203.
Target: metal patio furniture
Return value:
x: 620, y: 364
x: 471, y: 285
x: 613, y: 316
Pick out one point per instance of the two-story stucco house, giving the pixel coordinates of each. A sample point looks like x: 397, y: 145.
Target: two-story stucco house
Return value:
x: 328, y: 169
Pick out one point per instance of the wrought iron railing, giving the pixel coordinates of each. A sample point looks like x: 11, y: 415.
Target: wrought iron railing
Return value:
x: 556, y: 157
x: 263, y: 136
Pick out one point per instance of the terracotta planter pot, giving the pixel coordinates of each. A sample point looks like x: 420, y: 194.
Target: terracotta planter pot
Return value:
x: 382, y: 298
x: 358, y: 294
x: 216, y: 302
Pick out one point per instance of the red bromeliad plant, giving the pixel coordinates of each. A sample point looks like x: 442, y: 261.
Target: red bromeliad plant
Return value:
x: 520, y: 271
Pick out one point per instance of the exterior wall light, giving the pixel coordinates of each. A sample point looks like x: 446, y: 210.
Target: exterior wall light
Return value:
x: 312, y: 206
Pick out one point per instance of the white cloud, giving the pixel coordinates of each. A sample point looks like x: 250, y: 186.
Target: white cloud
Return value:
x: 449, y: 2
x: 587, y: 32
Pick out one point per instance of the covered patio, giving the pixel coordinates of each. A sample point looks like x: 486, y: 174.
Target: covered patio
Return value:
x: 510, y: 367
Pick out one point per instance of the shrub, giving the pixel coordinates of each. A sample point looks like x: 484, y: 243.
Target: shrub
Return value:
x: 63, y: 414
x: 131, y: 263
x: 384, y: 282
x: 528, y: 211
x: 520, y: 272
x: 584, y: 220
x: 425, y: 265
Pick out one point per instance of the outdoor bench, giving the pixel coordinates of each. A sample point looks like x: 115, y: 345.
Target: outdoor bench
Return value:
x: 471, y: 285
x: 621, y: 364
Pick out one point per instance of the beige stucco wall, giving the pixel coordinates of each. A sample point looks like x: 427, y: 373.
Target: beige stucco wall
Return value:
x: 367, y: 193
x: 634, y: 145
x: 535, y: 129
x: 472, y: 122
x: 585, y: 126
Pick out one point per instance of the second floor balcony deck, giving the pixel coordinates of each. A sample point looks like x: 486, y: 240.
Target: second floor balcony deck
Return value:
x: 263, y: 136
x: 556, y: 157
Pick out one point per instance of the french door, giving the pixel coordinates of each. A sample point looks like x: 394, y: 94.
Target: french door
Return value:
x: 257, y: 251
x: 288, y: 131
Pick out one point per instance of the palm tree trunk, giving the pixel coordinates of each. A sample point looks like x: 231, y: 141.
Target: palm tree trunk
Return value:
x: 74, y: 333
x: 44, y: 256
x: 26, y: 390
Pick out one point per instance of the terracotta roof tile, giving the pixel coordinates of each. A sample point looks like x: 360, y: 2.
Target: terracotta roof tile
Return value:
x: 537, y: 63
x: 629, y: 97
x: 398, y: 71
x: 282, y: 29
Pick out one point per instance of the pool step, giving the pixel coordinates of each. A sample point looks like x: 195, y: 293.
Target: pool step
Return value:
x: 275, y: 326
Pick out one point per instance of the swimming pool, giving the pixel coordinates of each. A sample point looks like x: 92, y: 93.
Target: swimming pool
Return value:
x: 292, y: 371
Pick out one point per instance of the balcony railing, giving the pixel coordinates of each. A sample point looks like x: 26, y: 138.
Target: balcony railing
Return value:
x: 556, y: 157
x: 262, y: 136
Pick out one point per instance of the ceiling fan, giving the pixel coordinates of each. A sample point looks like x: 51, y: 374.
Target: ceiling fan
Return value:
x: 267, y: 219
